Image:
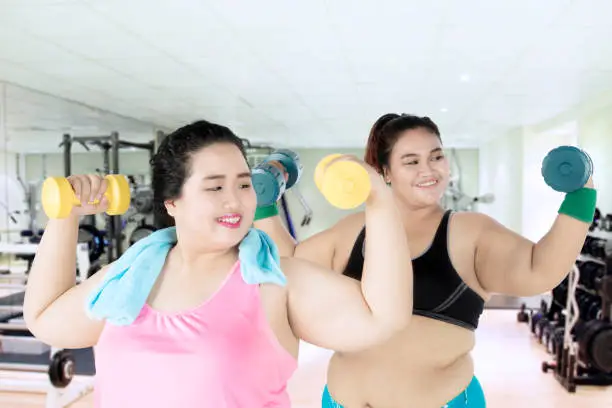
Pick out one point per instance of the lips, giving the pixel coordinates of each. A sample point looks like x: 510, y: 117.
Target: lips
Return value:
x: 427, y: 183
x: 230, y: 220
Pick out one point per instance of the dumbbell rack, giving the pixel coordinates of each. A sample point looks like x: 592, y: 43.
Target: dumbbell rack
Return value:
x: 568, y: 368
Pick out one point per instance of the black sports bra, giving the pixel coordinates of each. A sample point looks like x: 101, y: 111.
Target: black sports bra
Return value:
x: 439, y: 291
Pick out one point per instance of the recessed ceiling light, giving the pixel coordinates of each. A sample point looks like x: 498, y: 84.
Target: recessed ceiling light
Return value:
x: 443, y: 110
x: 465, y: 78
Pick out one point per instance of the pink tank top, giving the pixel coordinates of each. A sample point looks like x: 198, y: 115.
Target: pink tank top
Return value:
x: 222, y: 354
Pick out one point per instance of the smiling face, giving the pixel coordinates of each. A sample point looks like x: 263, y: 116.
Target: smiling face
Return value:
x: 418, y: 169
x: 217, y: 202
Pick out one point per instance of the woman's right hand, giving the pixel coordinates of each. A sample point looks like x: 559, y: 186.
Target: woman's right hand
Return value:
x: 89, y: 188
x: 379, y: 188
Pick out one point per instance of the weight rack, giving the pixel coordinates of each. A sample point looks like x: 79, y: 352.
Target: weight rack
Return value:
x: 578, y: 297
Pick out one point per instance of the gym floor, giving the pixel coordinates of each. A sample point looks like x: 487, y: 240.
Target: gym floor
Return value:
x: 507, y: 357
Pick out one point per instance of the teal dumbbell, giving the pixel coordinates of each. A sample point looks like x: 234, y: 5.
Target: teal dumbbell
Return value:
x: 269, y: 181
x: 567, y: 168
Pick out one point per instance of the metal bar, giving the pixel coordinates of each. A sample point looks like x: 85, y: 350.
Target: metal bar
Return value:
x: 12, y: 286
x: 11, y: 308
x: 13, y: 276
x: 32, y: 368
x: 158, y: 217
x: 8, y: 248
x: 67, y: 143
x: 38, y: 387
x: 114, y: 141
x: 29, y: 339
x: 145, y: 146
x: 90, y: 139
x: 116, y: 219
x: 13, y: 327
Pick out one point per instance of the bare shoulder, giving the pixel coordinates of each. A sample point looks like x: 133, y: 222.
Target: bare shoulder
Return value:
x: 471, y: 223
x: 351, y: 223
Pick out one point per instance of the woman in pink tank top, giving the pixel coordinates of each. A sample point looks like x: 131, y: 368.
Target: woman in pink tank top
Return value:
x: 206, y: 337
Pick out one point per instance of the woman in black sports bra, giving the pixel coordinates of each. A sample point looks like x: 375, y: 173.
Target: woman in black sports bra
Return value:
x: 459, y: 260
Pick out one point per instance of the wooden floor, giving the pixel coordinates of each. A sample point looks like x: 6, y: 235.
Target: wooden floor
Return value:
x: 507, y: 360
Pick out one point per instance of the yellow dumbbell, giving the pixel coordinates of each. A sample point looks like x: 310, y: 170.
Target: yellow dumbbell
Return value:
x: 58, y: 197
x: 345, y: 184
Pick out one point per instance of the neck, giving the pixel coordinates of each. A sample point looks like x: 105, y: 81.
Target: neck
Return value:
x: 194, y: 257
x: 412, y: 216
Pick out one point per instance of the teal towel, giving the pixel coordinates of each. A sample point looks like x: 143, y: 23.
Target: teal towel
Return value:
x: 126, y: 287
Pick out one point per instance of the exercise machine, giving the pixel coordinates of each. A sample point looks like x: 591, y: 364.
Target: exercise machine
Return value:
x: 55, y: 378
x: 454, y: 197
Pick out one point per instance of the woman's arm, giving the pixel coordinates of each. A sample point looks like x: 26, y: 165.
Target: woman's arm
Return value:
x: 274, y: 227
x: 511, y: 264
x: 54, y: 306
x: 339, y: 313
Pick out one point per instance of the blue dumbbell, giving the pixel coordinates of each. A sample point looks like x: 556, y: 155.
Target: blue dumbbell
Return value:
x: 290, y: 161
x: 567, y: 168
x: 269, y: 182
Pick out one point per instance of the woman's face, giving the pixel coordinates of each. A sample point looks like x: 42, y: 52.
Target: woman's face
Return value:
x: 217, y: 204
x: 418, y: 170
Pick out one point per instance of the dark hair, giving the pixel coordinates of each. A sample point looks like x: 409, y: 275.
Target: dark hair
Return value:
x: 385, y: 132
x: 171, y: 164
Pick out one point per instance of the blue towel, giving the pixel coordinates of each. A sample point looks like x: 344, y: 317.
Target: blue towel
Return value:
x: 126, y: 287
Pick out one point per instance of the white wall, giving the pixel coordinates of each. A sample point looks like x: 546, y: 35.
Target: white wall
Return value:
x: 540, y: 203
x: 501, y: 173
x: 595, y: 137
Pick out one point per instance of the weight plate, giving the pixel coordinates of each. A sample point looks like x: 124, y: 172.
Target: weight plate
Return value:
x: 142, y: 201
x: 601, y: 349
x: 291, y: 162
x: 141, y: 232
x: 566, y: 168
x: 269, y: 184
x: 61, y: 369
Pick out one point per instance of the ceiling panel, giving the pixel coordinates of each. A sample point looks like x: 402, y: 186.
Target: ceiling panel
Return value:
x: 314, y: 73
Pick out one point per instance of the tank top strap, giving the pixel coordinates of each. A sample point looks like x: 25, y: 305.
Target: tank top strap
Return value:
x: 440, y: 239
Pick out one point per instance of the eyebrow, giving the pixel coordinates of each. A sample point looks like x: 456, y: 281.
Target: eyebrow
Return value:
x: 222, y: 176
x: 436, y: 150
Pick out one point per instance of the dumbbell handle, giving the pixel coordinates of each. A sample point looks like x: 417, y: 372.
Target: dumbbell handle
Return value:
x: 59, y: 197
x: 78, y: 203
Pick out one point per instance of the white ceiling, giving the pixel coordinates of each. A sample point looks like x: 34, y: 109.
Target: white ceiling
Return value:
x: 313, y: 73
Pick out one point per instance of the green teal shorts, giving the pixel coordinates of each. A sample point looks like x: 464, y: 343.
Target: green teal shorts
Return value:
x: 471, y: 397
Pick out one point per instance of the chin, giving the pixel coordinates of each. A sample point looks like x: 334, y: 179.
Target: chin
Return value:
x: 231, y: 236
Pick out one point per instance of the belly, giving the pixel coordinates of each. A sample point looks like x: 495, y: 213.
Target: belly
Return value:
x: 424, y: 366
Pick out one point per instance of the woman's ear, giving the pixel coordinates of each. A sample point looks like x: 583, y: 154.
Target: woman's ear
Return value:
x: 170, y: 207
x: 386, y: 176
